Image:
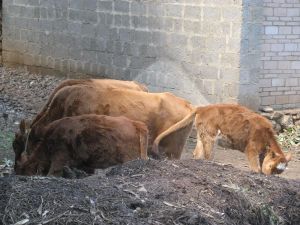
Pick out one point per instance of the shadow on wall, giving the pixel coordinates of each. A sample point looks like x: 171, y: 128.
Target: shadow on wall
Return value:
x: 167, y: 76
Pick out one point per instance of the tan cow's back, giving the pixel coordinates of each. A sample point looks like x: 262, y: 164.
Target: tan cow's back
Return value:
x: 98, y: 83
x: 157, y: 110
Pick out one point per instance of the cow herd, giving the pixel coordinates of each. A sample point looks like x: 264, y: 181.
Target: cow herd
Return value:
x: 97, y: 123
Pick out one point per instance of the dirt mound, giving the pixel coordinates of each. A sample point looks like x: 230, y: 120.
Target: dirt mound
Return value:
x: 153, y: 192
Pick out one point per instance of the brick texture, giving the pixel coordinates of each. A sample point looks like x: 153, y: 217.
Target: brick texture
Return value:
x: 280, y: 54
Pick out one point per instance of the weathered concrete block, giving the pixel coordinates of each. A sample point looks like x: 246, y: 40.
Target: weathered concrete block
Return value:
x: 284, y: 64
x: 278, y: 82
x: 277, y: 47
x: 208, y: 72
x: 83, y: 4
x: 192, y: 12
x: 142, y: 37
x: 269, y: 100
x: 148, y: 51
x: 270, y: 64
x: 121, y: 6
x: 285, y: 30
x: 295, y: 65
x: 211, y: 13
x: 291, y: 82
x: 104, y: 5
x: 232, y: 14
x: 282, y: 99
x: 120, y: 61
x: 122, y: 20
x: 139, y: 21
x: 293, y: 12
x: 268, y: 11
x: 154, y: 23
x: 138, y: 8
x: 271, y: 30
x: 174, y: 10
x: 85, y: 16
x: 280, y: 11
x: 291, y: 47
x: 155, y: 9
x: 192, y: 27
x: 131, y: 49
x: 209, y: 87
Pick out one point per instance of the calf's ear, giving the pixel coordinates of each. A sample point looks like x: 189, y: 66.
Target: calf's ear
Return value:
x: 22, y: 126
x: 288, y: 156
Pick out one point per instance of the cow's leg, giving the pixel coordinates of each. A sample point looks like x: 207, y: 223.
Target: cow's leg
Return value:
x: 252, y: 155
x: 198, y: 152
x: 208, y: 143
x: 173, y: 144
x: 58, y: 162
x: 205, y: 143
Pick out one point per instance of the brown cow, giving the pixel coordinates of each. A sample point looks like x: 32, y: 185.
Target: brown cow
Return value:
x: 99, y: 83
x: 159, y: 111
x: 84, y: 142
x: 248, y: 132
x: 21, y: 136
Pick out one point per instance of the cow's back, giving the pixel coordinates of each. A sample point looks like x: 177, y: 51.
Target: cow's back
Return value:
x: 158, y: 111
x: 97, y: 83
x: 96, y: 141
x: 236, y: 122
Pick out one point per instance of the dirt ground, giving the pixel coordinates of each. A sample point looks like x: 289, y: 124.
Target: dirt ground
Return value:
x: 154, y: 192
x: 238, y: 160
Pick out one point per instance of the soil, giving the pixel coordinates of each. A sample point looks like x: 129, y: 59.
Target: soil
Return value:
x: 154, y: 192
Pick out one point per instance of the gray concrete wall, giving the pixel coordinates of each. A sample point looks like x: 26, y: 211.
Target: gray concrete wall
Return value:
x: 280, y: 73
x: 250, y: 53
x: 189, y: 47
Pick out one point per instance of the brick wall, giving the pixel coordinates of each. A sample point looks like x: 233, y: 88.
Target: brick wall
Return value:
x: 280, y: 74
x: 189, y: 47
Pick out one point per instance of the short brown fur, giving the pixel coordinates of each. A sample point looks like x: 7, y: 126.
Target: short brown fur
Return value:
x: 99, y: 83
x: 248, y: 132
x: 159, y: 111
x: 84, y: 142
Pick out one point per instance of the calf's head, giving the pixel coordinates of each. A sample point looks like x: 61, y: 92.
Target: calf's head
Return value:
x: 34, y: 164
x: 20, y: 139
x: 274, y: 163
x: 22, y: 165
x: 25, y: 140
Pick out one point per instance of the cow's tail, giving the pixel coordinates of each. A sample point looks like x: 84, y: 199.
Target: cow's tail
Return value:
x: 65, y: 83
x: 177, y: 126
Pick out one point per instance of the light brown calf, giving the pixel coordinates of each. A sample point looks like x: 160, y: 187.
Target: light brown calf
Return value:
x: 248, y: 132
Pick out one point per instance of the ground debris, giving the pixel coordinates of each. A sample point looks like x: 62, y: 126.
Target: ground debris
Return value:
x: 192, y: 193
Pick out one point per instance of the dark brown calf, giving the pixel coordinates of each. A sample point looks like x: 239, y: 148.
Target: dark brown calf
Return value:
x: 84, y: 142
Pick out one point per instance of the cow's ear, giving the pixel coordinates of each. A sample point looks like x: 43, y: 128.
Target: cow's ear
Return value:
x: 22, y: 126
